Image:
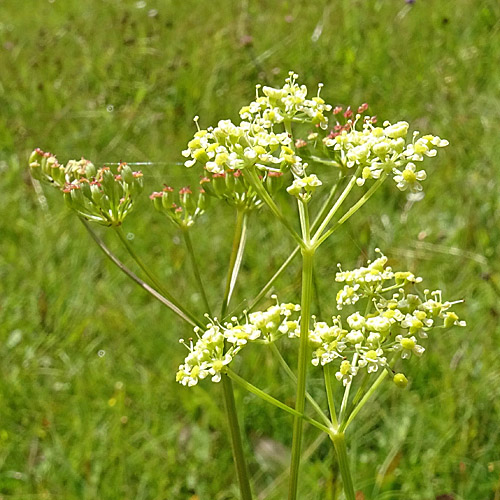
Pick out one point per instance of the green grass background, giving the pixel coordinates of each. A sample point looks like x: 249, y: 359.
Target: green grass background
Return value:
x: 118, y: 80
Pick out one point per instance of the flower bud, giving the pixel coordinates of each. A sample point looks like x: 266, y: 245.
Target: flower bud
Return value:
x: 187, y: 200
x: 240, y: 185
x: 85, y: 187
x: 219, y: 184
x: 206, y: 185
x: 167, y: 197
x: 400, y: 380
x: 202, y: 201
x: 108, y: 182
x: 96, y: 192
x: 156, y: 198
x: 126, y: 173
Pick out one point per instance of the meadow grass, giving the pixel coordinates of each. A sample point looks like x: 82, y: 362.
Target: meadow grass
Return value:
x: 90, y: 408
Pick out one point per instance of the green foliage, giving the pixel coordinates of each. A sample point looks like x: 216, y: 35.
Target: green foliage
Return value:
x: 115, y: 82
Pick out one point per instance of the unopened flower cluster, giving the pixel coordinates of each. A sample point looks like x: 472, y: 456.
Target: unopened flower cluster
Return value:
x: 216, y: 347
x: 182, y: 210
x: 97, y: 194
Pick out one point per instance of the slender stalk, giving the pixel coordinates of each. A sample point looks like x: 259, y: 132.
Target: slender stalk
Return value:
x: 369, y: 393
x: 351, y: 211
x: 196, y: 269
x: 327, y: 373
x: 275, y: 276
x: 286, y: 263
x: 308, y: 452
x: 254, y: 180
x: 304, y: 217
x: 307, y: 292
x: 292, y: 376
x: 345, y: 399
x: 152, y: 277
x: 136, y: 279
x: 335, y: 207
x: 236, y: 443
x: 345, y: 471
x: 236, y: 257
x: 276, y: 402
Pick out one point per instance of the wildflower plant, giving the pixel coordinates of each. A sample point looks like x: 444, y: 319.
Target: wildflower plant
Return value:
x: 286, y: 144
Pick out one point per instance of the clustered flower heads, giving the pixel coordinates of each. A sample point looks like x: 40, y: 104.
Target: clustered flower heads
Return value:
x: 256, y: 142
x: 97, y: 194
x: 376, y: 150
x: 263, y: 140
x: 393, y: 324
x: 216, y: 347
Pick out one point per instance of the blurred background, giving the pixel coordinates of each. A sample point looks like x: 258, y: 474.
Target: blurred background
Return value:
x: 89, y: 404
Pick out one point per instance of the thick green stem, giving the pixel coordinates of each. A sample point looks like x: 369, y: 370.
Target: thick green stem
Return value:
x: 345, y: 471
x: 136, y: 279
x: 235, y: 259
x: 196, y: 269
x: 307, y: 292
x: 152, y: 277
x: 275, y: 402
x: 236, y: 443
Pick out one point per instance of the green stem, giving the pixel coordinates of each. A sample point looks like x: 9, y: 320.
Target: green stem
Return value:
x: 327, y: 373
x: 336, y: 206
x: 304, y: 217
x: 345, y: 399
x: 153, y: 279
x: 236, y: 443
x: 256, y: 184
x: 351, y: 211
x: 277, y: 274
x: 276, y: 402
x: 236, y: 257
x: 135, y: 278
x: 345, y: 471
x: 366, y: 397
x: 292, y: 376
x: 307, y: 291
x: 196, y: 269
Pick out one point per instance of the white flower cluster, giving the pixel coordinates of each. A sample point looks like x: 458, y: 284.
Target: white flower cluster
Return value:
x: 230, y: 147
x: 384, y: 149
x: 256, y: 141
x: 288, y: 103
x: 304, y: 187
x: 398, y: 318
x: 216, y: 347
